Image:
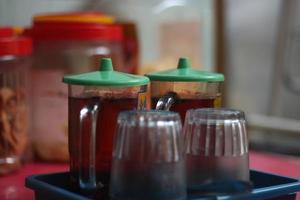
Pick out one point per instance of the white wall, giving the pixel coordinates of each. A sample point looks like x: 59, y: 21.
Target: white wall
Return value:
x: 253, y: 33
x: 251, y: 40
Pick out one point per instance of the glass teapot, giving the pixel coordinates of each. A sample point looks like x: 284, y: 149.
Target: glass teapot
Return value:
x: 185, y: 88
x: 95, y: 100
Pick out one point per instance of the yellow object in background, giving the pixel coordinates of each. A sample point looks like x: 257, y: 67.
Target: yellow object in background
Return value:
x: 18, y: 30
x: 217, y: 102
x: 76, y: 17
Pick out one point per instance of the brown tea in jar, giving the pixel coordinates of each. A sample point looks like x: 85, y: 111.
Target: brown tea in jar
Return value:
x: 108, y: 110
x: 182, y: 105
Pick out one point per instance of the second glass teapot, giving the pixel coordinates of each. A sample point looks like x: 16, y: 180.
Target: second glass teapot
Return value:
x: 185, y: 88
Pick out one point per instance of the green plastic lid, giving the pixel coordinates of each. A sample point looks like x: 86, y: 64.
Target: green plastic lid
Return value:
x: 106, y: 76
x: 185, y: 73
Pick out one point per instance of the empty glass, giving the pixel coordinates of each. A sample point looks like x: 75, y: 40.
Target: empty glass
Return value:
x: 216, y: 149
x: 148, y: 157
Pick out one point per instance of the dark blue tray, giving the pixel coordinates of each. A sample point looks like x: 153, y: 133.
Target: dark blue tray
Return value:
x: 266, y: 186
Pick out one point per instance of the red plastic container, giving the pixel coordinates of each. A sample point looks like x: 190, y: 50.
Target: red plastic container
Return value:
x: 65, y: 43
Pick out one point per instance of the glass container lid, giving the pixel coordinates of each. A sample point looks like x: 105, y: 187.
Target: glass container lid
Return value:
x: 106, y: 76
x: 185, y: 73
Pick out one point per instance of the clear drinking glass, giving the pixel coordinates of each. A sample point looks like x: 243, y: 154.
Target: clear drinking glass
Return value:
x: 148, y: 157
x: 216, y: 148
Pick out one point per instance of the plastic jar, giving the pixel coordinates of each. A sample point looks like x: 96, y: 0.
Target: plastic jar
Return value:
x: 168, y: 29
x: 65, y: 43
x: 14, y: 98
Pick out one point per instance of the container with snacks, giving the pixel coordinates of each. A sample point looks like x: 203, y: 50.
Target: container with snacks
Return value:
x: 168, y: 29
x: 65, y: 43
x: 14, y: 103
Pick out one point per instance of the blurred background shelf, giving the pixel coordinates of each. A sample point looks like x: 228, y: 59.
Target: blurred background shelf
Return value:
x: 257, y: 52
x: 254, y: 43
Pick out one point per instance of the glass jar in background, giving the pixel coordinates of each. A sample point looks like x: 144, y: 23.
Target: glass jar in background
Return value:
x: 65, y: 43
x: 14, y: 98
x: 168, y: 29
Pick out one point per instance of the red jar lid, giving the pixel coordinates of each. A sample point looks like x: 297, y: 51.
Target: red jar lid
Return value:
x: 11, y: 44
x: 75, y: 26
x: 6, y: 31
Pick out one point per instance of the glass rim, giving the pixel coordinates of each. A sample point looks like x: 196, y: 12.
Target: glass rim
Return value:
x: 215, y: 115
x: 142, y: 115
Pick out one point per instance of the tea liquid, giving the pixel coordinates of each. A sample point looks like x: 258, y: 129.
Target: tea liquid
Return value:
x: 108, y: 110
x: 182, y: 105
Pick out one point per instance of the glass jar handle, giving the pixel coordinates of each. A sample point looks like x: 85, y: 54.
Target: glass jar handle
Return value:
x: 87, y: 175
x: 166, y: 101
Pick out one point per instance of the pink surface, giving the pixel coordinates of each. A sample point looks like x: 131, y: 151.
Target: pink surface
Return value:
x: 12, y: 186
x: 278, y: 164
x: 274, y: 163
